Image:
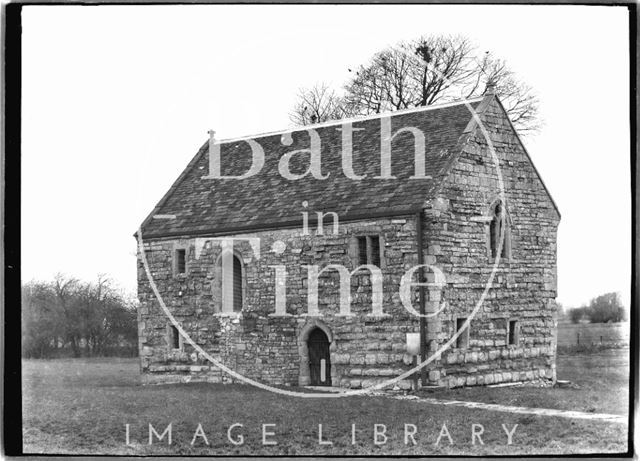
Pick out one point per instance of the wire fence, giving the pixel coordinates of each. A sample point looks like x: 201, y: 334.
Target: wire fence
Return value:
x: 593, y: 334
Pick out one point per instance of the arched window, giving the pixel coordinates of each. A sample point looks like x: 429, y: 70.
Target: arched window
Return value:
x: 229, y: 286
x: 237, y: 284
x: 499, y: 218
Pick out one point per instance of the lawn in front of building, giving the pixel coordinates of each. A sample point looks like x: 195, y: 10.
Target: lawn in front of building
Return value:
x: 83, y: 406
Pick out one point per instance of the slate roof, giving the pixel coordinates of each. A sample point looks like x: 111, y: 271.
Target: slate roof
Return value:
x: 267, y: 200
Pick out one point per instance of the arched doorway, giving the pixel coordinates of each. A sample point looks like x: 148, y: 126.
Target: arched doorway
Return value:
x: 319, y: 358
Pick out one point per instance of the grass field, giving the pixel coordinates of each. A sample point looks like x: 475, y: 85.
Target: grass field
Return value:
x: 82, y: 406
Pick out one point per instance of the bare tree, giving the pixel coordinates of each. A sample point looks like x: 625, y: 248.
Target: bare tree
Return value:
x: 42, y: 327
x: 518, y: 98
x: 316, y: 105
x: 421, y: 72
x: 65, y: 289
x: 83, y: 317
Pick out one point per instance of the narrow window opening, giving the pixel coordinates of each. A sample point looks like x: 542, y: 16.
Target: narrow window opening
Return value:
x: 463, y: 339
x: 181, y: 261
x: 362, y: 250
x: 495, y: 230
x: 229, y: 288
x: 513, y: 332
x: 237, y: 284
x: 375, y: 250
x: 175, y: 337
x: 495, y: 235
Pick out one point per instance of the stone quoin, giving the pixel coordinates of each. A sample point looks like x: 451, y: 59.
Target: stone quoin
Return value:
x: 449, y: 216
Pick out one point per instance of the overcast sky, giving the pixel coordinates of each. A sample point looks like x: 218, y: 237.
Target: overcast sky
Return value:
x: 117, y: 99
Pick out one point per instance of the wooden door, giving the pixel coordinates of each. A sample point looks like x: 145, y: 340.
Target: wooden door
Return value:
x: 319, y: 363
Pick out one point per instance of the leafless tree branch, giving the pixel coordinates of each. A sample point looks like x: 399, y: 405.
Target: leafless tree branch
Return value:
x: 421, y: 72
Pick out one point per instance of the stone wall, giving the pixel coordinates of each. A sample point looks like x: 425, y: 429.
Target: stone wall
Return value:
x: 524, y: 286
x: 366, y: 349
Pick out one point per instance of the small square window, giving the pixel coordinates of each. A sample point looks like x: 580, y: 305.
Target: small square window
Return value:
x: 513, y: 332
x: 367, y: 249
x: 181, y: 261
x: 463, y: 340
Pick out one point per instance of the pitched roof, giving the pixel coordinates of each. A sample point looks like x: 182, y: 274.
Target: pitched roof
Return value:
x: 215, y: 206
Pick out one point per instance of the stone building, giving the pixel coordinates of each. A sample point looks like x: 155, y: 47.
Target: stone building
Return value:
x: 446, y: 214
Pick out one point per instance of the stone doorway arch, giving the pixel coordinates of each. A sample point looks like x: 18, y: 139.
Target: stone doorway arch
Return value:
x: 303, y: 349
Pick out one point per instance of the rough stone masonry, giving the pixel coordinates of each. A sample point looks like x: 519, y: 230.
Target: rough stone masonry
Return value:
x: 512, y: 338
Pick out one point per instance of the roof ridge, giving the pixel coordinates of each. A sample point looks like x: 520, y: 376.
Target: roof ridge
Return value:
x: 352, y: 119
